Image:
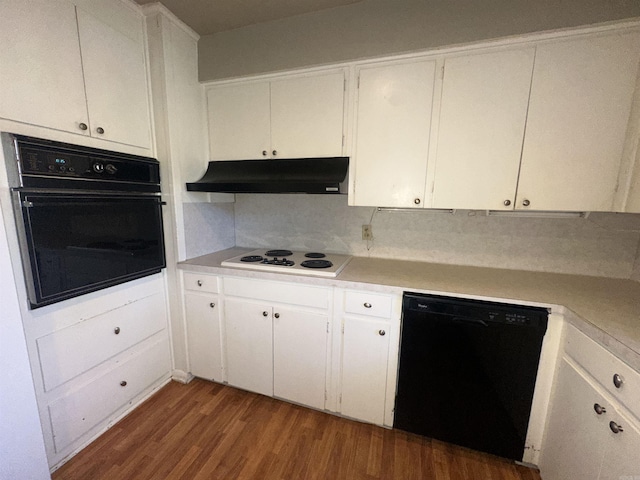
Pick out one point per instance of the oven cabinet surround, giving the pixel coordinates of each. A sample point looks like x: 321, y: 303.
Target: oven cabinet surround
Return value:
x: 95, y: 358
x: 367, y: 358
x: 76, y: 66
x: 545, y: 117
x: 580, y: 442
x: 294, y: 116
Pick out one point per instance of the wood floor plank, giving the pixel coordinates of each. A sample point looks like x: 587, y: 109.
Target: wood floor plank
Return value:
x: 208, y: 431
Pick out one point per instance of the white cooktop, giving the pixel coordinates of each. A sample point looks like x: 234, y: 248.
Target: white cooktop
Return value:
x: 276, y: 261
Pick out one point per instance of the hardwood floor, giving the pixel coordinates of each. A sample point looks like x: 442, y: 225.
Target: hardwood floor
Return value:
x: 209, y: 431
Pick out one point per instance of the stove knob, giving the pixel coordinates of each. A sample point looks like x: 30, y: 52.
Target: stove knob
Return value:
x: 110, y: 168
x: 98, y: 167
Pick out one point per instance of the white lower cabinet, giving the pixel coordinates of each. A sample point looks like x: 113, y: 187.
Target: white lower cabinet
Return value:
x: 203, y: 336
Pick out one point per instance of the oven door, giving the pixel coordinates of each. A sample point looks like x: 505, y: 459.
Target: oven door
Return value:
x: 72, y: 244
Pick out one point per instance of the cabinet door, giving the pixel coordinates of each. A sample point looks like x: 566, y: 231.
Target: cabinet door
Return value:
x: 40, y: 68
x: 481, y: 128
x: 239, y: 121
x: 622, y: 455
x: 581, y: 97
x: 365, y: 351
x: 300, y: 356
x: 249, y: 342
x: 392, y: 134
x: 203, y: 336
x: 116, y: 81
x: 307, y: 116
x: 576, y: 434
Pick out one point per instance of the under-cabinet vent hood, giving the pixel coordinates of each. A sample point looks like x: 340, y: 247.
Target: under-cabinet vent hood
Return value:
x: 297, y: 175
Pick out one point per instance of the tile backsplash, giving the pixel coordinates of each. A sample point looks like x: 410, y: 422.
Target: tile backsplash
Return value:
x: 209, y: 227
x: 604, y: 244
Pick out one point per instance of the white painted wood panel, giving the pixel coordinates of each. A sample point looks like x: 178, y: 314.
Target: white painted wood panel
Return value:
x: 300, y: 356
x: 307, y: 116
x: 203, y: 336
x: 200, y: 282
x: 481, y: 129
x: 41, y: 80
x: 277, y: 292
x: 622, y: 454
x: 116, y: 82
x: 581, y: 97
x: 370, y: 304
x: 249, y: 346
x: 239, y: 121
x: 392, y: 133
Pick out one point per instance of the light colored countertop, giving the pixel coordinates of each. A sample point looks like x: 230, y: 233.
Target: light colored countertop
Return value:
x: 608, y: 310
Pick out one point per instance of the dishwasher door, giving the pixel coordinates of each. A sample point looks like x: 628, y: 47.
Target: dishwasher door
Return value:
x: 468, y: 370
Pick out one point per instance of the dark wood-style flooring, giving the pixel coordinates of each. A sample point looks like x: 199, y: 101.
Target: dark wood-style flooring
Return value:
x: 209, y: 431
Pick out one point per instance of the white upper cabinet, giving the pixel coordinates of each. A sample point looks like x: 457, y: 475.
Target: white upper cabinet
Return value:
x: 581, y: 97
x: 294, y: 117
x: 481, y: 128
x: 64, y: 69
x: 116, y: 81
x: 392, y: 133
x: 40, y: 67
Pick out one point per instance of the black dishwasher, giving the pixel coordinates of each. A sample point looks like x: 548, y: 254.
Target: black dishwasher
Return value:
x: 468, y: 370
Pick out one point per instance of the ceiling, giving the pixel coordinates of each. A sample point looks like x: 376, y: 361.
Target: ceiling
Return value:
x: 212, y: 16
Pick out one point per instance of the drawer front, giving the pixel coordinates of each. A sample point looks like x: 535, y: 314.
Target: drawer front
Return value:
x: 602, y: 365
x: 198, y: 282
x: 277, y: 292
x: 370, y: 304
x: 77, y: 413
x: 76, y: 349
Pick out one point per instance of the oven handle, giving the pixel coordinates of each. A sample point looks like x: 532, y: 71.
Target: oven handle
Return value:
x: 31, y: 204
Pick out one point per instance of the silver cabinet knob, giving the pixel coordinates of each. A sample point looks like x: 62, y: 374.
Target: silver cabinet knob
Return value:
x: 123, y: 383
x: 507, y: 203
x: 116, y: 330
x: 100, y: 130
x: 274, y: 153
x: 199, y: 283
x: 264, y: 314
x: 212, y: 305
x: 526, y: 203
x: 618, y: 380
x: 416, y: 201
x: 382, y: 333
x: 599, y: 408
x: 82, y: 126
x: 277, y: 315
x: 367, y: 305
x: 264, y: 153
x: 615, y: 428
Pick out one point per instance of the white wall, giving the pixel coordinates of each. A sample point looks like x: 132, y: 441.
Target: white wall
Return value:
x: 382, y: 27
x: 21, y: 440
x: 605, y: 244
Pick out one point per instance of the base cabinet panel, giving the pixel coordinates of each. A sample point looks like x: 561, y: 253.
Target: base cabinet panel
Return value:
x: 203, y: 336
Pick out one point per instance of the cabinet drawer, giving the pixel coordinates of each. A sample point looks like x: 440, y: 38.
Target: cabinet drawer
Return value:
x: 75, y: 414
x: 198, y: 282
x: 277, y: 292
x: 370, y: 304
x: 73, y: 350
x: 603, y: 365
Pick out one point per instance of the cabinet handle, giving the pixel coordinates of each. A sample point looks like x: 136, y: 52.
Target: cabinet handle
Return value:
x: 277, y: 315
x: 100, y: 130
x: 199, y: 283
x: 382, y: 333
x: 507, y: 203
x: 599, y: 409
x: 264, y: 153
x: 123, y: 383
x: 367, y: 305
x: 526, y: 203
x: 618, y: 380
x: 212, y: 305
x: 416, y: 201
x: 265, y: 314
x: 82, y: 126
x: 274, y: 153
x: 615, y: 428
x: 116, y: 330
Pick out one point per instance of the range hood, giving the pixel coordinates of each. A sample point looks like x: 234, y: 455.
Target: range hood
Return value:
x: 295, y: 175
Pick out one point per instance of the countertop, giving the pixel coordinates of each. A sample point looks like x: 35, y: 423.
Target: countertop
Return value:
x: 608, y: 310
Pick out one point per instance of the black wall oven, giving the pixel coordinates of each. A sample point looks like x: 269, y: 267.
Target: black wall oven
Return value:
x: 87, y: 219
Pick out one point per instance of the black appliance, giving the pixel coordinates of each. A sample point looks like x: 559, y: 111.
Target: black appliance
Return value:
x: 298, y: 175
x: 87, y: 219
x: 468, y: 370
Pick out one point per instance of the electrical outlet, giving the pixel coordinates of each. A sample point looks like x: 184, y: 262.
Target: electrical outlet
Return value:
x: 367, y: 232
